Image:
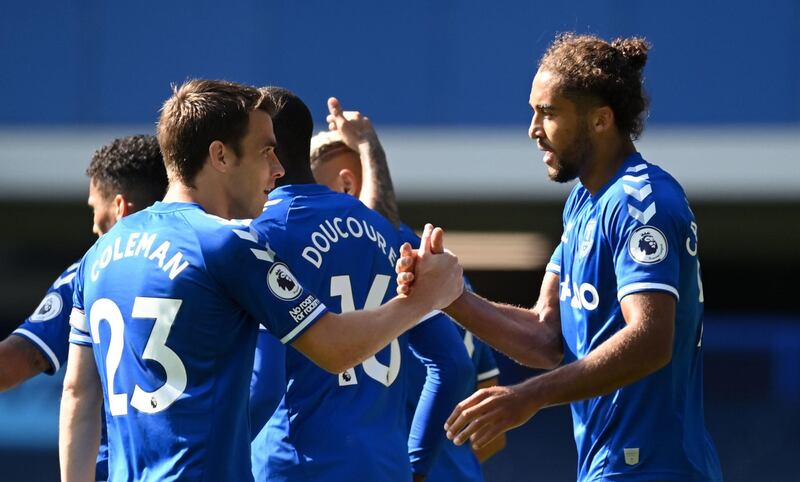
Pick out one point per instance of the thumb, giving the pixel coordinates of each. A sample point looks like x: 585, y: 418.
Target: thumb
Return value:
x: 425, y: 242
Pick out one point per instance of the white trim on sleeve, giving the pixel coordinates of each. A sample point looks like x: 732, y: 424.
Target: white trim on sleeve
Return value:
x: 297, y: 329
x: 429, y: 316
x: 638, y: 287
x: 41, y: 344
x: 77, y: 318
x: 487, y: 375
x: 77, y: 338
x: 553, y: 268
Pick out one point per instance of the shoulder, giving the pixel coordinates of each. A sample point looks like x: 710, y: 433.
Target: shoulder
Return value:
x: 645, y: 194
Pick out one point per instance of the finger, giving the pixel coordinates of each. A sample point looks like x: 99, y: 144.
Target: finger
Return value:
x: 405, y: 278
x: 406, y: 250
x: 404, y: 265
x: 331, y: 126
x: 425, y: 243
x: 334, y: 107
x: 437, y: 241
x: 475, y: 424
x: 468, y: 402
x: 485, y: 434
x: 403, y: 289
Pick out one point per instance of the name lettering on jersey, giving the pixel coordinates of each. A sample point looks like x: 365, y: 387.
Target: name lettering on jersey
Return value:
x: 337, y: 229
x: 305, y: 308
x: 648, y: 245
x: 141, y: 244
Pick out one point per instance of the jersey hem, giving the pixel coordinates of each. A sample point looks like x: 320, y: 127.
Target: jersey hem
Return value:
x: 321, y: 309
x: 482, y: 377
x: 640, y: 287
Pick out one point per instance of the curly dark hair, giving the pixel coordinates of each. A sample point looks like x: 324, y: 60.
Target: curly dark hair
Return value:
x: 200, y: 112
x: 131, y: 166
x: 591, y: 70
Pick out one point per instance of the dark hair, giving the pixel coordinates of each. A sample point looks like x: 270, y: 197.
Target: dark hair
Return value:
x: 589, y: 69
x: 293, y: 127
x: 199, y: 113
x: 131, y: 166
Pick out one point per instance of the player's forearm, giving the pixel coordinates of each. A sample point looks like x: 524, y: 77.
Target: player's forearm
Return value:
x: 79, y: 435
x: 338, y: 342
x: 624, y: 358
x: 19, y: 361
x: 377, y: 191
x: 519, y: 333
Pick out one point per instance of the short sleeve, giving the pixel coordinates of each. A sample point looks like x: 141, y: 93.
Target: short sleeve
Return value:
x: 485, y: 363
x: 48, y: 326
x: 646, y: 247
x: 554, y: 265
x: 79, y: 331
x: 264, y: 286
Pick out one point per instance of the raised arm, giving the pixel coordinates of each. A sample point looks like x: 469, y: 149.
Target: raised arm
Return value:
x: 358, y: 134
x: 643, y: 346
x: 79, y: 422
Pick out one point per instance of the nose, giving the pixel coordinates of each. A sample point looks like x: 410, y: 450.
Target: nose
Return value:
x: 96, y: 230
x: 277, y: 168
x: 535, y: 130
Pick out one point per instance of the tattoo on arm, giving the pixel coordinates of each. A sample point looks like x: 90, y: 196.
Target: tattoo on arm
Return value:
x: 19, y: 361
x: 377, y: 191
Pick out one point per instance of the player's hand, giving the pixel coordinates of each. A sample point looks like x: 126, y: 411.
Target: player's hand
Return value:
x: 488, y: 413
x: 405, y: 269
x: 354, y: 127
x: 437, y: 274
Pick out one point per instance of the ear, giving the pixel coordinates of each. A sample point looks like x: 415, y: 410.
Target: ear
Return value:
x: 602, y: 119
x: 121, y: 207
x: 216, y: 156
x: 349, y: 182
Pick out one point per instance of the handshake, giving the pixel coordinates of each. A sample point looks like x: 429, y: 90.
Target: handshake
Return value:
x: 430, y: 273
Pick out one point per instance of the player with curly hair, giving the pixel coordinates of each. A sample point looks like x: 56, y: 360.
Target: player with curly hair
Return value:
x: 619, y: 317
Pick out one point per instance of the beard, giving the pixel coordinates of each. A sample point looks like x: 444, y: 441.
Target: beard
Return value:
x: 569, y: 163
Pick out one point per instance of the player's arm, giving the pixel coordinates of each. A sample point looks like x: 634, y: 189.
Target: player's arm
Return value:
x: 338, y: 342
x: 643, y: 346
x: 450, y: 375
x: 499, y: 443
x: 377, y: 191
x: 530, y: 336
x: 19, y: 361
x: 79, y: 422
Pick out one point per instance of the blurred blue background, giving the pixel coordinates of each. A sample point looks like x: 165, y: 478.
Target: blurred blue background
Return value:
x: 446, y: 84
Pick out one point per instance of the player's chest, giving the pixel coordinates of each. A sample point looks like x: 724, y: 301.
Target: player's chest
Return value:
x: 584, y: 243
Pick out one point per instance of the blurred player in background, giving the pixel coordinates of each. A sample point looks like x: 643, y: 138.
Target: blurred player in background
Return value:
x: 167, y: 304
x: 349, y: 426
x: 627, y: 320
x: 350, y: 159
x: 125, y: 176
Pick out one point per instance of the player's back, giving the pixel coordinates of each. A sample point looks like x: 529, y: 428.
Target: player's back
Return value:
x: 329, y: 427
x: 174, y: 351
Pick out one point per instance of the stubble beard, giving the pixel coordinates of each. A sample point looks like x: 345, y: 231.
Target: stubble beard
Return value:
x: 569, y: 164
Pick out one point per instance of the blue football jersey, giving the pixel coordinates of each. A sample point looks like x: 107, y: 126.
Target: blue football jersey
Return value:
x: 636, y: 234
x: 350, y: 426
x: 48, y: 327
x: 170, y: 300
x: 48, y: 330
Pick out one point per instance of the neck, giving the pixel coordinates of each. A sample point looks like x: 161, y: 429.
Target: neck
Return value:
x: 606, y: 161
x: 213, y: 201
